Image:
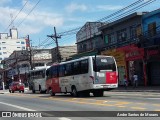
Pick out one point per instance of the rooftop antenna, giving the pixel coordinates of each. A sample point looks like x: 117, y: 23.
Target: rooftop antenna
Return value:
x: 12, y: 22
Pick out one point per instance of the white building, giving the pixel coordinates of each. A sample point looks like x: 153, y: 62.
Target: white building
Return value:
x: 10, y: 43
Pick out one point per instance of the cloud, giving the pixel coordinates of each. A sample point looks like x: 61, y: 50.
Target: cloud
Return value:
x: 75, y: 7
x: 50, y: 19
x: 34, y: 23
x: 25, y: 29
x: 5, y: 16
x: 3, y: 2
x: 109, y: 7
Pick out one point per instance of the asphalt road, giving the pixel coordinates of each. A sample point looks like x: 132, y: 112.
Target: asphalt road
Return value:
x: 129, y: 102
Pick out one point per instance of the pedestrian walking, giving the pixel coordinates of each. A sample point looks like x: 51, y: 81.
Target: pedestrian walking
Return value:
x: 135, y: 80
x: 125, y: 82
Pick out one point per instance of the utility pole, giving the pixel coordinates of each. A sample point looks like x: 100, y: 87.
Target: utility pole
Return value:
x: 30, y: 53
x: 55, y: 38
x: 18, y: 69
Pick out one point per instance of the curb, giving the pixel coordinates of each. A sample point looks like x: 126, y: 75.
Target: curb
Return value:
x: 4, y: 91
x: 135, y: 91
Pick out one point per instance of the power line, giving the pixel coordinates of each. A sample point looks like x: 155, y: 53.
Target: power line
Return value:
x: 44, y: 41
x: 47, y: 45
x: 123, y: 9
x: 130, y: 11
x: 16, y: 16
x: 29, y: 13
x: 73, y: 31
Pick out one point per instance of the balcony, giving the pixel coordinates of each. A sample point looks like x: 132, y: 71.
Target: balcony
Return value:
x: 151, y: 39
x: 128, y: 41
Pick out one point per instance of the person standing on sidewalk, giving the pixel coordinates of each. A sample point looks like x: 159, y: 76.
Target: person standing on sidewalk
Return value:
x: 125, y: 82
x: 135, y: 80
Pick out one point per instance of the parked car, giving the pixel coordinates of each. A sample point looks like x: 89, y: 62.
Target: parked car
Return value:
x: 16, y: 86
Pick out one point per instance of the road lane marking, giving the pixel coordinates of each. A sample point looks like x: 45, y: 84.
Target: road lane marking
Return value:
x: 64, y: 118
x: 121, y: 106
x: 95, y: 102
x: 154, y: 98
x: 84, y: 102
x: 141, y: 103
x: 157, y: 110
x: 92, y: 101
x: 156, y: 105
x: 138, y: 108
x: 16, y: 106
x: 122, y: 103
x: 24, y: 108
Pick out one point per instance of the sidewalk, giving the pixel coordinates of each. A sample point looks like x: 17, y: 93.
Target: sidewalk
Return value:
x: 7, y: 90
x: 138, y: 89
x: 4, y: 91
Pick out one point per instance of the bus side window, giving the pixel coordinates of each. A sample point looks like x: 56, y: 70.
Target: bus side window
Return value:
x: 51, y: 72
x: 57, y: 71
x: 54, y: 71
x: 61, y: 70
x: 84, y: 66
x: 76, y: 68
x: 69, y: 70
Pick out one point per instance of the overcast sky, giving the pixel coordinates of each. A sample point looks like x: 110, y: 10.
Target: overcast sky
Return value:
x: 63, y: 14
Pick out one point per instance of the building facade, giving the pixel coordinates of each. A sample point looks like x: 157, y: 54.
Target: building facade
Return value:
x: 89, y: 39
x: 121, y: 38
x: 9, y: 43
x: 41, y: 57
x: 19, y: 63
x: 150, y: 41
x: 65, y: 53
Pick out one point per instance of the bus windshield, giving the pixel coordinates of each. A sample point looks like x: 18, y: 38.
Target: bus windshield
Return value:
x: 104, y: 63
x: 38, y: 74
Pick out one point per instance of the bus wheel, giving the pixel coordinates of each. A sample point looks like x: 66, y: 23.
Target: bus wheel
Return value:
x: 98, y: 93
x: 51, y: 92
x: 74, y: 92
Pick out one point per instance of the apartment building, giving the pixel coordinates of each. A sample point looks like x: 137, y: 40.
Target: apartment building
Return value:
x: 88, y: 38
x: 9, y: 43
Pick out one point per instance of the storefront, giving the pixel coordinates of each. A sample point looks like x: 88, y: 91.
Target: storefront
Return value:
x: 120, y: 59
x: 153, y: 67
x: 134, y: 58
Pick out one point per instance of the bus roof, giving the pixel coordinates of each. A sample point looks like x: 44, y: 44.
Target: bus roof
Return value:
x: 85, y: 57
x: 42, y: 68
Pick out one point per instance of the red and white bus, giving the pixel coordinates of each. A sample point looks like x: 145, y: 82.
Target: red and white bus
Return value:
x: 91, y: 74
